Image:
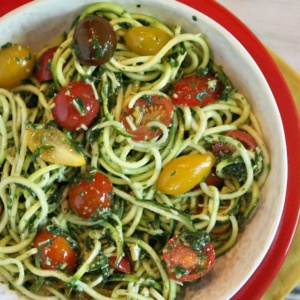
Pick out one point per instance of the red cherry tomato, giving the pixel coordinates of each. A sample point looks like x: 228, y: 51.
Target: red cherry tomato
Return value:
x: 245, y: 138
x: 124, y: 265
x: 213, y: 178
x: 184, y: 263
x: 91, y: 195
x: 219, y: 147
x: 194, y: 90
x: 156, y: 108
x: 55, y: 251
x: 95, y: 40
x: 75, y: 105
x: 43, y: 65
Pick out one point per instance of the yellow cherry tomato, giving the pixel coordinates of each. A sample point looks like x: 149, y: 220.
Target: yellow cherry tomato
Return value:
x: 53, y: 146
x: 16, y: 64
x: 184, y: 172
x: 145, y: 40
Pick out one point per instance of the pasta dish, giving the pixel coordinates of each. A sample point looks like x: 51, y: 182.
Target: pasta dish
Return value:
x: 129, y: 161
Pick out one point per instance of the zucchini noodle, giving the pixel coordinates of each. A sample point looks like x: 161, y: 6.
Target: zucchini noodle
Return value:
x: 34, y: 193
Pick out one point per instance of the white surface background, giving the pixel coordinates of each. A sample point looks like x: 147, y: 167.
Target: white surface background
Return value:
x: 275, y: 22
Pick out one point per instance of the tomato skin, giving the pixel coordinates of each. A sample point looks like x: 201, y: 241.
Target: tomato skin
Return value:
x: 16, y: 64
x: 89, y: 197
x: 60, y: 151
x: 245, y: 138
x: 124, y: 265
x: 59, y: 252
x: 213, y: 178
x: 65, y: 112
x: 194, y: 91
x: 145, y: 40
x: 43, y: 65
x: 220, y: 147
x: 184, y: 172
x: 157, y: 108
x: 95, y: 40
x: 196, y: 263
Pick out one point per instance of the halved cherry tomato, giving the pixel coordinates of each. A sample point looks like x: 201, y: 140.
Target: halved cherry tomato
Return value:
x: 196, y: 90
x: 95, y: 40
x: 124, y: 266
x: 245, y: 138
x: 54, y: 251
x: 184, y: 172
x: 184, y: 263
x: 91, y: 196
x: 156, y: 108
x: 16, y: 64
x: 145, y: 40
x: 75, y: 106
x: 43, y: 65
x: 53, y: 146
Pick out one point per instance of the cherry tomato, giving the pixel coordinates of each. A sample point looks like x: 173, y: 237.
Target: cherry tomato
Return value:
x: 156, y: 108
x: 184, y: 172
x: 55, y: 252
x: 179, y: 256
x: 53, y: 146
x: 145, y: 40
x: 213, y: 178
x: 75, y: 106
x: 43, y: 65
x: 95, y: 40
x: 16, y: 64
x: 196, y: 90
x: 91, y: 196
x: 124, y: 265
x: 220, y: 147
x: 245, y: 138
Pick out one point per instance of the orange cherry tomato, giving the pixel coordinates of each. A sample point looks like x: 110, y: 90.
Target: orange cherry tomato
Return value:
x: 91, y: 195
x: 16, y: 64
x: 183, y: 263
x: 184, y: 172
x: 53, y: 146
x: 55, y: 252
x: 145, y: 40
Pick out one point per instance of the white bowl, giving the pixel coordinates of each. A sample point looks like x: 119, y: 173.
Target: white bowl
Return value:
x: 38, y: 22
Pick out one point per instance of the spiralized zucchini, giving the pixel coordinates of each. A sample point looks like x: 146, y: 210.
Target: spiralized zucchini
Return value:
x: 34, y: 193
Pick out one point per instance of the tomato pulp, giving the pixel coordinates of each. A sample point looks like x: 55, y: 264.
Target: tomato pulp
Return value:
x: 153, y: 108
x: 183, y: 263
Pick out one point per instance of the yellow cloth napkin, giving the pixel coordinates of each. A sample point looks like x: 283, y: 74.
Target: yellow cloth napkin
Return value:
x: 289, y: 274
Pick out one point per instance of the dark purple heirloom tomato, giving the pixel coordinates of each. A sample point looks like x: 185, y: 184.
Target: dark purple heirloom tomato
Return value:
x: 95, y: 40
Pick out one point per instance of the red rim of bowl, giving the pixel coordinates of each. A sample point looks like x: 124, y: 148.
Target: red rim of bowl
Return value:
x: 261, y: 279
x: 258, y: 283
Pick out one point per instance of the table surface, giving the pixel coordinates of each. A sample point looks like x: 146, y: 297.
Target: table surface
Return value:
x: 275, y: 22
